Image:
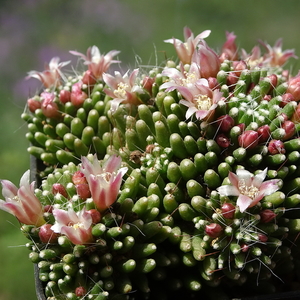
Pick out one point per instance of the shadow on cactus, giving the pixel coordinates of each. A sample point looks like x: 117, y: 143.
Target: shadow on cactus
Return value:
x: 178, y: 181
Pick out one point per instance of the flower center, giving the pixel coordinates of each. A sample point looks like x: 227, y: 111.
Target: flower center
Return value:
x: 250, y: 191
x: 106, y: 176
x: 120, y: 92
x: 203, y: 102
x: 190, y: 78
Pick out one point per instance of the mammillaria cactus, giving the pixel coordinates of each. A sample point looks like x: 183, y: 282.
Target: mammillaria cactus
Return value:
x: 181, y: 181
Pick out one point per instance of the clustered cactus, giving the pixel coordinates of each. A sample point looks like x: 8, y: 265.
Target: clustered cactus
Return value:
x: 178, y: 181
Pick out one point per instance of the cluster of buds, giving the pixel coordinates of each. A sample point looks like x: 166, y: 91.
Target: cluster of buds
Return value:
x: 182, y: 181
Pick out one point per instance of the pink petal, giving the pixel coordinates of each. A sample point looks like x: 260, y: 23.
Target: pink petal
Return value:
x: 228, y: 190
x: 243, y: 202
x: 269, y: 187
x: 259, y: 178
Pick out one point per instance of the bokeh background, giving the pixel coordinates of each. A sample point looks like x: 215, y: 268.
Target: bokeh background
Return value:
x: 34, y: 31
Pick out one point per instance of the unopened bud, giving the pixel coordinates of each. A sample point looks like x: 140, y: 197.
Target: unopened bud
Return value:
x: 228, y: 210
x: 47, y: 235
x: 33, y: 104
x: 222, y: 140
x: 294, y: 87
x: 78, y: 178
x: 58, y: 188
x: 95, y: 214
x: 267, y: 216
x: 88, y: 78
x: 213, y: 230
x: 286, y: 98
x: 80, y: 291
x: 289, y: 128
x: 83, y: 190
x: 264, y: 133
x: 64, y: 96
x: 275, y: 147
x: 77, y: 95
x: 249, y: 139
x: 48, y: 106
x: 225, y: 123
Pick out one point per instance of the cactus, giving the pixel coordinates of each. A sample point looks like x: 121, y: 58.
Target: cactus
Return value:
x: 175, y: 181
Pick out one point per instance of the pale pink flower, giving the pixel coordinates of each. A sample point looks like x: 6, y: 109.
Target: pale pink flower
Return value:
x: 185, y: 50
x: 181, y: 78
x: 123, y: 89
x: 200, y: 99
x: 275, y: 55
x: 104, y: 180
x: 229, y: 50
x: 248, y: 188
x: 207, y: 59
x: 51, y: 76
x: 75, y: 226
x: 22, y: 202
x: 255, y: 59
x: 97, y: 63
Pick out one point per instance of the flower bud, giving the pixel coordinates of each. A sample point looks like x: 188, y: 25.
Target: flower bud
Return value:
x: 80, y: 291
x: 267, y: 216
x: 275, y: 147
x: 48, y: 106
x: 78, y: 178
x: 238, y: 67
x: 296, y: 116
x: 225, y: 123
x: 58, y: 188
x: 248, y: 139
x: 88, y: 78
x: 33, y: 104
x: 147, y: 84
x: 228, y: 210
x: 264, y: 133
x: 222, y: 140
x: 64, y: 96
x: 95, y: 214
x: 83, y: 190
x: 294, y: 87
x: 47, y: 235
x: 213, y: 230
x: 213, y: 83
x: 229, y: 49
x: 262, y: 237
x: 77, y: 95
x: 289, y: 128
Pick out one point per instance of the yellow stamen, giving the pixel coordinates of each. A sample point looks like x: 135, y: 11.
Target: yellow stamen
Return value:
x: 203, y: 102
x: 250, y: 191
x: 120, y: 92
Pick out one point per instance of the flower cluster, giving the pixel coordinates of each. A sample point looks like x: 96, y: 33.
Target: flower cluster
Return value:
x: 164, y: 183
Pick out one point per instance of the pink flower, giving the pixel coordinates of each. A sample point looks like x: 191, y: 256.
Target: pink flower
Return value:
x: 50, y: 77
x: 229, y: 49
x: 77, y: 95
x: 182, y: 78
x: 200, y: 99
x: 185, y: 50
x: 123, y: 89
x: 275, y: 56
x: 75, y: 226
x: 97, y: 63
x: 207, y: 59
x: 22, y: 202
x: 249, y: 189
x: 104, y: 181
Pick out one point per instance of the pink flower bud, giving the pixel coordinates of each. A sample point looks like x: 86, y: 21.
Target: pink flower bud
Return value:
x: 273, y: 81
x: 213, y: 83
x: 80, y: 291
x: 208, y: 61
x: 244, y: 248
x: 294, y: 87
x: 286, y: 98
x: 229, y: 49
x: 222, y: 140
x: 147, y: 84
x: 267, y: 97
x: 47, y: 235
x: 78, y: 178
x: 33, y: 104
x: 77, y: 95
x: 289, y: 128
x: 249, y: 139
x: 83, y: 190
x: 48, y: 106
x: 213, y: 230
x: 264, y: 133
x: 296, y: 116
x: 48, y: 209
x: 232, y: 79
x: 58, y: 188
x: 262, y: 237
x: 64, y: 96
x: 228, y: 210
x: 225, y: 123
x: 89, y: 78
x: 238, y: 67
x: 267, y: 216
x: 95, y: 214
x: 275, y: 147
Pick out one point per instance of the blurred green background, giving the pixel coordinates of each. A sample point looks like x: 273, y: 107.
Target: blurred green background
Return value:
x: 32, y: 32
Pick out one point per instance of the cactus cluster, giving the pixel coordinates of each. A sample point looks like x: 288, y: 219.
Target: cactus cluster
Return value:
x: 209, y: 203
